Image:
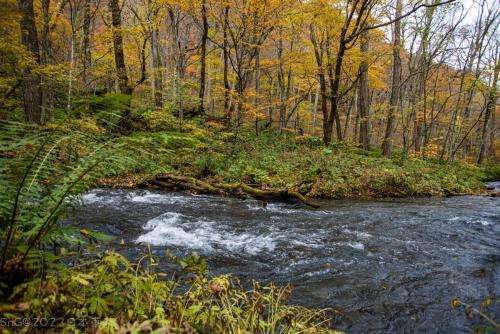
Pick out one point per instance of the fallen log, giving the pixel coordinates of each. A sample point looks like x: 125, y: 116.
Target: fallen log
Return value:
x: 189, y: 183
x: 177, y: 182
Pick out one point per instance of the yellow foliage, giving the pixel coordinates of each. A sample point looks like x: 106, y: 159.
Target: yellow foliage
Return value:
x: 214, y: 125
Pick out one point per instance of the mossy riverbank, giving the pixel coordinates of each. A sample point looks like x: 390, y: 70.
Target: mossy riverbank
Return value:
x: 275, y: 160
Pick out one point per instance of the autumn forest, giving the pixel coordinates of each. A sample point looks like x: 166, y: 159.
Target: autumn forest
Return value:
x: 420, y: 77
x: 249, y: 166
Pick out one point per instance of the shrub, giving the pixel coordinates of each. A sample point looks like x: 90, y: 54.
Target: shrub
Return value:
x: 112, y: 295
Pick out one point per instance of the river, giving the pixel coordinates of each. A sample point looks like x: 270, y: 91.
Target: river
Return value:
x: 387, y: 266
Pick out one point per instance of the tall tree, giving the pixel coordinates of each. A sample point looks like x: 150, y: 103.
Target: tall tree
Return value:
x: 121, y: 70
x: 203, y: 57
x: 395, y: 85
x: 364, y: 95
x: 318, y: 54
x: 32, y: 80
x: 490, y: 109
x: 86, y: 47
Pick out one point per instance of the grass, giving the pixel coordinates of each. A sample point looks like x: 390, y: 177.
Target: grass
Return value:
x: 279, y: 160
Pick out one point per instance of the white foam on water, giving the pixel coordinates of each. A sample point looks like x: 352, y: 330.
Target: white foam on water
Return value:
x: 352, y: 244
x: 356, y: 245
x: 174, y: 229
x: 318, y: 273
x: 363, y: 234
x: 306, y: 244
x: 93, y: 197
x: 470, y: 221
x: 283, y: 209
x: 270, y: 207
x: 110, y: 197
x: 479, y: 222
x: 148, y: 197
x: 359, y: 234
x: 90, y: 198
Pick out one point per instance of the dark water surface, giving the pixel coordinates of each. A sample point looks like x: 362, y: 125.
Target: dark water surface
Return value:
x: 390, y: 266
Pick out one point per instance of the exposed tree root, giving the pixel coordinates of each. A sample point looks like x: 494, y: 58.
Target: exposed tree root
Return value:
x: 176, y: 182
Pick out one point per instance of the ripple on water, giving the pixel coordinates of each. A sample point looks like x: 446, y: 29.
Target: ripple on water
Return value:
x: 391, y: 265
x: 174, y: 229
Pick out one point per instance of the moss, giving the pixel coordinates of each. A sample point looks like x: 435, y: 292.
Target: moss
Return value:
x: 276, y: 160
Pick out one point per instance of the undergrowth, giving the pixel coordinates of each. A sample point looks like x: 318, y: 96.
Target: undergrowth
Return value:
x: 278, y: 160
x: 109, y: 295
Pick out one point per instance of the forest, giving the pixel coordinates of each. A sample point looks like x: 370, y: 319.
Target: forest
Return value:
x: 249, y: 166
x: 420, y: 77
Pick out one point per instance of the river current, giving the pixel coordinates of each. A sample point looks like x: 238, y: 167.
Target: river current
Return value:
x: 386, y: 266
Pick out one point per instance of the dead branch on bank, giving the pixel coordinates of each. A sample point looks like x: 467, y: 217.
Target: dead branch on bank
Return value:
x: 176, y: 182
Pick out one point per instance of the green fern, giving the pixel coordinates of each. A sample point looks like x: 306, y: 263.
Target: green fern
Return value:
x: 42, y: 170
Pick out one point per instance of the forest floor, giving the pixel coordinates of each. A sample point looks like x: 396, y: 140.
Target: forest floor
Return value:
x: 273, y: 160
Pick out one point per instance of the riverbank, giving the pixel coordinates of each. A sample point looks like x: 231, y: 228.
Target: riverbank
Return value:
x: 275, y: 160
x: 47, y: 267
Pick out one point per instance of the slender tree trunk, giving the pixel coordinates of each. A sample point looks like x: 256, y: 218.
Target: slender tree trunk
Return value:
x: 32, y: 81
x: 356, y: 120
x: 87, y: 56
x: 157, y: 69
x: 345, y: 133
x: 121, y: 70
x: 364, y: 98
x: 227, y: 109
x: 257, y: 90
x: 45, y: 42
x: 490, y: 109
x: 315, y: 111
x: 282, y: 82
x: 178, y: 55
x: 334, y: 116
x: 46, y: 58
x: 73, y: 13
x: 318, y: 52
x: 204, y: 38
x: 396, y: 84
x: 71, y: 65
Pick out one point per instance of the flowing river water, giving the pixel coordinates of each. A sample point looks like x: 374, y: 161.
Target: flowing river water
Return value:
x: 387, y: 266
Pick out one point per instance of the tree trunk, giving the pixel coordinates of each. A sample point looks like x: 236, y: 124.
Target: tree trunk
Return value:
x: 204, y: 38
x: 315, y: 111
x: 32, y: 81
x: 490, y: 109
x: 46, y: 58
x: 86, y: 59
x: 334, y: 116
x: 364, y: 98
x: 396, y: 85
x: 121, y: 69
x: 227, y: 109
x: 318, y: 52
x: 257, y: 90
x: 157, y: 65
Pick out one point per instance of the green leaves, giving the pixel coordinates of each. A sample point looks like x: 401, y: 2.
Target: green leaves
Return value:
x: 134, y: 298
x: 43, y: 170
x: 97, y: 306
